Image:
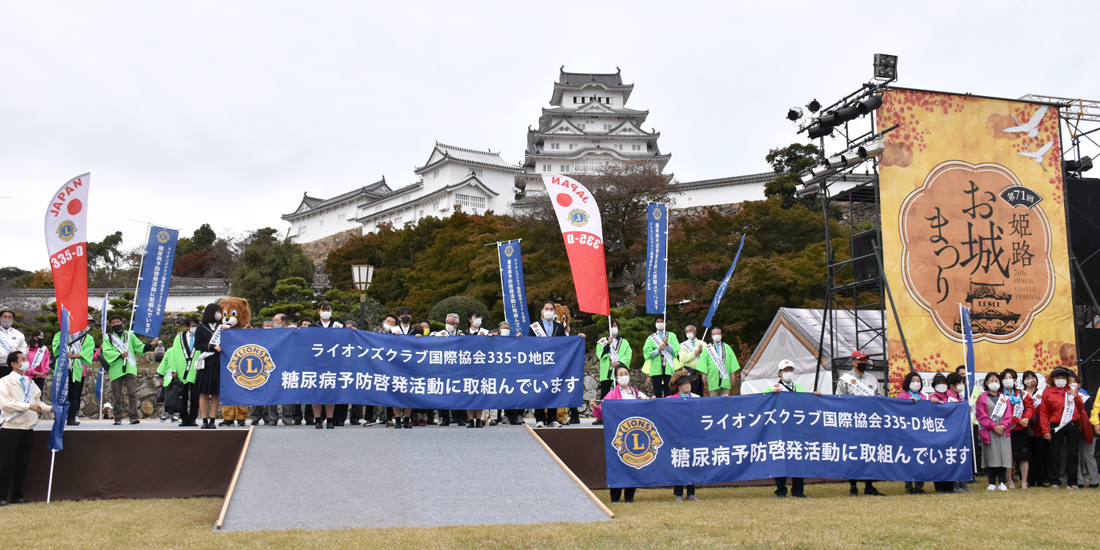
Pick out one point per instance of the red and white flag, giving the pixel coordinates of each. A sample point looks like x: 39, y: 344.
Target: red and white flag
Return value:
x: 67, y: 243
x: 582, y: 229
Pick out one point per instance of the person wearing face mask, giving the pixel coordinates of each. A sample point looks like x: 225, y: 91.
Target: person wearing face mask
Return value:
x: 720, y: 366
x: 121, y: 349
x: 1060, y: 414
x: 1038, y: 448
x: 622, y: 390
x: 81, y: 353
x: 322, y: 416
x: 691, y: 349
x: 954, y: 389
x: 10, y: 339
x: 179, y: 368
x: 1023, y: 413
x: 786, y: 383
x: 20, y: 405
x: 913, y: 385
x: 994, y: 420
x: 208, y: 338
x: 547, y: 327
x: 474, y: 417
x: 292, y: 413
x: 268, y: 413
x: 680, y: 383
x: 612, y: 352
x: 861, y: 383
x: 660, y: 352
x: 446, y: 417
x: 940, y: 390
x: 39, y: 356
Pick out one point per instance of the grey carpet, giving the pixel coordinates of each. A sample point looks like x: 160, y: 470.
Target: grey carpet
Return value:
x: 356, y: 477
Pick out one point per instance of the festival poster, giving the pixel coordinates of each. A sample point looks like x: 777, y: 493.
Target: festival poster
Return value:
x: 973, y: 214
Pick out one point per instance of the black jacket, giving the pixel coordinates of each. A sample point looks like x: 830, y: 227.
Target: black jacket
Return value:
x: 559, y: 329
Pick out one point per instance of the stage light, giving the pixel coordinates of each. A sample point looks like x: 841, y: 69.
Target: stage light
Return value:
x: 794, y: 114
x: 851, y: 158
x: 836, y: 161
x: 886, y: 66
x: 821, y: 171
x: 814, y: 106
x: 846, y: 113
x: 869, y: 104
x: 829, y: 119
x: 819, y: 131
x: 1083, y: 165
x: 871, y: 150
x: 808, y: 178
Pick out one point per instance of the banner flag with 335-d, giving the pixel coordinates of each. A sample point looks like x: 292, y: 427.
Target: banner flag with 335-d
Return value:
x: 67, y: 243
x: 582, y: 228
x: 656, y: 258
x: 156, y: 275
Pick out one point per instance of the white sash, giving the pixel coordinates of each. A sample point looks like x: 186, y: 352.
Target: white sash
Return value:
x: 857, y: 386
x: 613, y: 350
x: 537, y: 327
x: 188, y: 355
x: 28, y: 393
x: 665, y: 353
x: 1018, y: 408
x: 215, y: 340
x: 999, y: 409
x: 38, y: 358
x: 719, y: 359
x: 4, y: 342
x: 124, y: 348
x: 1067, y: 412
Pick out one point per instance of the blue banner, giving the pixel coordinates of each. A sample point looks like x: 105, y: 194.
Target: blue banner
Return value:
x: 156, y: 274
x: 511, y: 282
x: 968, y: 349
x: 709, y: 440
x: 319, y: 366
x: 656, y: 259
x: 60, y: 397
x: 722, y: 287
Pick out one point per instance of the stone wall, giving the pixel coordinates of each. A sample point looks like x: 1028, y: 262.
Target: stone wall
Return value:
x: 318, y: 250
x: 692, y: 212
x: 148, y: 383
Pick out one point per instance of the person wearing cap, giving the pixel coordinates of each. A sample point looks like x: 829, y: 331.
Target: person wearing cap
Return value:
x: 10, y: 340
x: 622, y: 390
x: 681, y: 384
x: 786, y: 383
x: 20, y: 405
x: 719, y: 364
x: 1059, y: 415
x: 860, y: 378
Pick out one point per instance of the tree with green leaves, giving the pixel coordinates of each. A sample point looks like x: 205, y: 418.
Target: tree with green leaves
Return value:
x: 788, y: 162
x: 265, y: 261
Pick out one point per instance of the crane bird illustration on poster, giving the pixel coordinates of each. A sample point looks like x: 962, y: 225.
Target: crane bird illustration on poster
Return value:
x: 1032, y: 126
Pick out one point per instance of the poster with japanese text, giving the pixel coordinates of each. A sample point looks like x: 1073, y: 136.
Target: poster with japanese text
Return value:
x: 973, y: 214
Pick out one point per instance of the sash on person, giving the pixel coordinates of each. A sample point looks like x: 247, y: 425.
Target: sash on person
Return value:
x: 537, y: 327
x: 665, y: 353
x: 719, y: 359
x: 28, y: 393
x: 784, y: 387
x: 1067, y: 412
x: 4, y: 343
x: 188, y: 354
x: 215, y: 340
x: 124, y: 348
x: 38, y: 358
x: 613, y: 349
x: 856, y: 385
x: 999, y: 409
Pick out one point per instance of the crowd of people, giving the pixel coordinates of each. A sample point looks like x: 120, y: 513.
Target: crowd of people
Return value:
x: 1038, y: 430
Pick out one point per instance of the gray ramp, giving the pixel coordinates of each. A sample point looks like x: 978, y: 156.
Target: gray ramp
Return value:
x: 355, y: 477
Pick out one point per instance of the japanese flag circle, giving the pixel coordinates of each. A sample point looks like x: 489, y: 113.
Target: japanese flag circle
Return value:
x: 564, y: 199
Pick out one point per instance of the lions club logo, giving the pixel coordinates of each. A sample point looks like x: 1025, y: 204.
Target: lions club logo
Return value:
x: 250, y: 366
x: 578, y: 217
x: 508, y: 251
x: 66, y: 230
x: 637, y: 441
x: 656, y: 213
x: 162, y: 237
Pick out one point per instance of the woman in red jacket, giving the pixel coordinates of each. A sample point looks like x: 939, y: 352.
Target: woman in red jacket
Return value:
x: 1023, y: 414
x: 1059, y: 416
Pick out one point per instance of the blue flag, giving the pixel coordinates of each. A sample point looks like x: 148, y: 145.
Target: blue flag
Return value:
x: 722, y: 287
x: 511, y: 282
x: 156, y: 274
x: 968, y: 342
x: 656, y: 258
x: 60, y: 396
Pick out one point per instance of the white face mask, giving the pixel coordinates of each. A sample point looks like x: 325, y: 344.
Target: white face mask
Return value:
x: 218, y: 316
x: 278, y: 325
x: 717, y: 338
x: 914, y: 387
x: 660, y: 327
x: 326, y: 315
x: 450, y: 328
x: 192, y: 329
x: 505, y: 332
x: 1009, y: 383
x: 993, y: 386
x: 623, y: 380
x: 614, y: 331
x: 548, y: 315
x: 787, y: 376
x: 476, y: 323
x: 6, y: 323
x: 941, y: 388
x: 959, y: 389
x: 690, y: 335
x: 1059, y: 382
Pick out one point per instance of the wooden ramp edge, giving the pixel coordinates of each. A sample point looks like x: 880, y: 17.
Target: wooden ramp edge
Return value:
x: 546, y: 447
x: 233, y: 482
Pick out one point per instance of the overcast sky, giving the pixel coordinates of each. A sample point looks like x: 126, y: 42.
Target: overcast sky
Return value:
x: 226, y: 112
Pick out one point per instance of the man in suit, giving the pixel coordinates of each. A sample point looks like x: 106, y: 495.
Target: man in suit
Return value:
x: 546, y: 327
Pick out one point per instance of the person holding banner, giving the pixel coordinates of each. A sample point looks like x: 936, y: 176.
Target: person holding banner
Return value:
x: 622, y: 390
x: 179, y: 368
x: 613, y: 352
x: 786, y: 383
x: 547, y: 327
x: 20, y: 404
x: 1059, y: 415
x: 682, y: 381
x: 994, y: 423
x: 10, y: 339
x: 720, y: 365
x: 913, y: 385
x: 1023, y: 413
x: 121, y: 348
x: 660, y: 351
x: 863, y: 384
x: 39, y: 357
x: 473, y: 328
x: 208, y: 338
x: 81, y: 353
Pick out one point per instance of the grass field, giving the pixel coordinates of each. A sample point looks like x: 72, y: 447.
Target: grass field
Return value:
x: 727, y: 518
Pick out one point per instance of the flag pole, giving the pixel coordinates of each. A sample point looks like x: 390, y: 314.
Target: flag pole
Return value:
x: 49, y: 486
x: 141, y: 265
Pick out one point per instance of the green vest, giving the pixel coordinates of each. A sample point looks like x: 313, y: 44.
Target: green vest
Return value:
x: 119, y: 365
x: 710, y: 368
x: 606, y: 372
x: 174, y: 364
x: 76, y: 366
x: 653, y: 366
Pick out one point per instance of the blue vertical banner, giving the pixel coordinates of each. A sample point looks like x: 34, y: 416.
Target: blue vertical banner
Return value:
x: 156, y: 275
x: 968, y: 349
x: 60, y: 394
x: 722, y: 287
x: 656, y: 258
x: 511, y: 282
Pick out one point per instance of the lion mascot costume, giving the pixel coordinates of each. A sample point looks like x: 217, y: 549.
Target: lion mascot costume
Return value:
x: 235, y: 314
x: 571, y: 415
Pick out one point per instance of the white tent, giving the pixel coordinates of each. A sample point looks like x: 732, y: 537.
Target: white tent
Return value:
x: 794, y: 335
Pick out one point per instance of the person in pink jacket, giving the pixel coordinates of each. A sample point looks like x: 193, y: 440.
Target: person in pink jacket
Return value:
x: 38, y: 354
x: 622, y: 390
x: 994, y: 415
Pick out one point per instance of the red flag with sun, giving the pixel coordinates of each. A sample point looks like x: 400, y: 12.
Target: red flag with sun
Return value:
x: 582, y: 229
x: 67, y: 243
